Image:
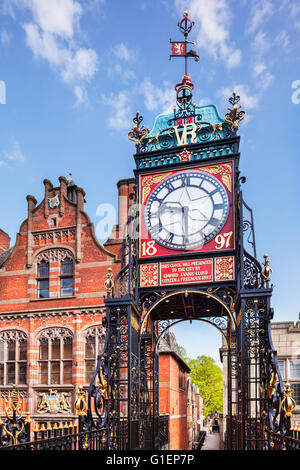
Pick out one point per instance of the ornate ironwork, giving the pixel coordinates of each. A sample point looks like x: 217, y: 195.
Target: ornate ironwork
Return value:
x: 248, y: 227
x: 236, y: 114
x: 179, y: 49
x: 138, y: 132
x: 15, y: 428
x: 203, y: 131
x: 252, y: 278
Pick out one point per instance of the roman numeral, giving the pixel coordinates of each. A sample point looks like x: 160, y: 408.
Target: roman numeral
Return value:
x: 213, y: 221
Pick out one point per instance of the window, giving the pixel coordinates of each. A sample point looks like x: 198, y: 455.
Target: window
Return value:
x: 66, y: 277
x: 60, y: 263
x: 43, y: 279
x: 94, y: 342
x: 281, y: 365
x: 295, y: 369
x: 295, y: 387
x: 13, y: 358
x: 55, y: 357
x: 181, y: 380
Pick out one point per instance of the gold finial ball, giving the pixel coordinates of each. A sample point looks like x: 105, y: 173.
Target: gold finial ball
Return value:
x: 185, y: 14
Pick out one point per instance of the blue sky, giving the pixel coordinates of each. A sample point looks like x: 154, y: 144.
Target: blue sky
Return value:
x: 76, y: 72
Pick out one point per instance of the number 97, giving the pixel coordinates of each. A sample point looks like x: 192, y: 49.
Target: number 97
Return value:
x: 223, y: 240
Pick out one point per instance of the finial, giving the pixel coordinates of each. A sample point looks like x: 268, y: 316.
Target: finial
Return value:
x: 235, y: 115
x: 109, y: 283
x: 266, y: 273
x: 179, y: 48
x: 288, y: 403
x: 185, y: 25
x: 138, y: 132
x: 80, y: 404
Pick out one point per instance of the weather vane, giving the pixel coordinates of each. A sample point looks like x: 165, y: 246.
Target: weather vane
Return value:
x: 179, y: 48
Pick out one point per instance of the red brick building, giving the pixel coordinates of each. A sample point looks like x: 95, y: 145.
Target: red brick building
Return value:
x: 51, y: 307
x: 173, y: 390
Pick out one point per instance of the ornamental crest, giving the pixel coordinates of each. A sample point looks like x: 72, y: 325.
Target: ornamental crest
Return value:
x: 53, y: 201
x: 53, y: 402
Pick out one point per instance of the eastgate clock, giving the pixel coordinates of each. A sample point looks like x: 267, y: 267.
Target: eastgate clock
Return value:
x: 186, y: 210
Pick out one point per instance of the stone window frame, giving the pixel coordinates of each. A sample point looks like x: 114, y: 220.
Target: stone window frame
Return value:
x: 52, y: 335
x: 55, y: 255
x: 8, y: 337
x: 98, y: 332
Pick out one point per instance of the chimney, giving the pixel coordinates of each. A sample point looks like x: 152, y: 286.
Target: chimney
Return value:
x: 80, y: 207
x: 31, y: 206
x: 125, y: 200
x: 63, y: 194
x: 48, y: 187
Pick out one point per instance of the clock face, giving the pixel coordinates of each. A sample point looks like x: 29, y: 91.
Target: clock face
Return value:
x: 186, y: 210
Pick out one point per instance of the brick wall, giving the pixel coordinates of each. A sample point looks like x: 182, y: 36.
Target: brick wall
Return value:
x: 173, y: 399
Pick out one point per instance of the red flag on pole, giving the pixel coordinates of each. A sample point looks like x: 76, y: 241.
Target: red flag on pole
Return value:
x: 178, y: 48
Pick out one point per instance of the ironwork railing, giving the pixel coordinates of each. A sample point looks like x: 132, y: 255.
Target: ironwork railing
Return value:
x: 202, y: 436
x: 18, y: 432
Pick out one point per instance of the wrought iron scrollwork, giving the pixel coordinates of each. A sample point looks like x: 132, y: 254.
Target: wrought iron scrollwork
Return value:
x: 15, y: 427
x: 252, y: 272
x: 248, y: 228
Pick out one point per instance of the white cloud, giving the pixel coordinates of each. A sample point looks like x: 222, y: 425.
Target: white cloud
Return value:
x: 80, y: 94
x: 119, y: 117
x: 282, y: 39
x: 15, y: 153
x: 124, y: 73
x: 5, y: 37
x: 261, y: 10
x: 294, y: 9
x: 263, y: 77
x: 162, y: 99
x: 52, y: 36
x: 261, y: 44
x: 259, y: 68
x: 118, y: 62
x: 82, y: 65
x: 212, y: 25
x: 123, y: 52
x: 57, y: 17
x: 248, y: 99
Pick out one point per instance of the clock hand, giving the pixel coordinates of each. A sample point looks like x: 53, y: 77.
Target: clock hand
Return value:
x: 186, y: 220
x: 205, y: 218
x: 168, y: 206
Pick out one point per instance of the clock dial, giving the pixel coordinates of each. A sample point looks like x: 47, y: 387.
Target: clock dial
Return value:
x: 186, y: 210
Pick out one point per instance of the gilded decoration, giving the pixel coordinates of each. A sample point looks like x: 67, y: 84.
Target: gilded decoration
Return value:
x: 224, y: 170
x: 224, y: 268
x: 149, y: 181
x: 54, y: 402
x: 185, y: 156
x: 149, y: 275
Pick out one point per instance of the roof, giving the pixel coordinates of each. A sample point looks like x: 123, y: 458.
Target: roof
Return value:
x: 168, y: 344
x: 5, y: 255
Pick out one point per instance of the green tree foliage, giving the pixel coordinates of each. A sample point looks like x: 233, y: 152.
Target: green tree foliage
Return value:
x: 208, y: 377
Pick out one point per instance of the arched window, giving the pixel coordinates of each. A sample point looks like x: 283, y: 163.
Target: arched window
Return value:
x: 13, y: 357
x: 60, y: 262
x: 66, y: 277
x: 55, y: 356
x: 94, y: 341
